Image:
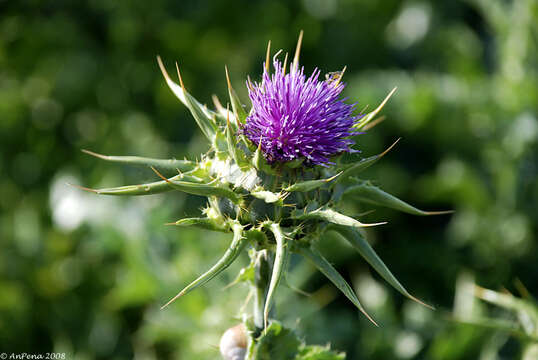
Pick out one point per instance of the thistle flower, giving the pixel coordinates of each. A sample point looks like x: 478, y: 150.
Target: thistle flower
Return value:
x: 294, y: 117
x: 253, y: 190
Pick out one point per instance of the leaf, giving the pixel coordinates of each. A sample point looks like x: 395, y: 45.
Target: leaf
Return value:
x: 201, y: 189
x: 362, y: 246
x: 330, y: 216
x: 275, y: 343
x: 281, y: 256
x: 204, y: 223
x: 354, y: 169
x: 130, y: 190
x: 238, y: 244
x: 368, y: 193
x: 233, y: 149
x: 203, y: 116
x: 369, y: 117
x: 525, y: 309
x: 239, y: 111
x: 170, y: 164
x: 317, y: 352
x: 309, y: 185
x: 267, y: 196
x: 333, y: 275
x: 259, y: 162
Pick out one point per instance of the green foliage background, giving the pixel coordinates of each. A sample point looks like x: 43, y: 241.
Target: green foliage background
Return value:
x: 86, y: 275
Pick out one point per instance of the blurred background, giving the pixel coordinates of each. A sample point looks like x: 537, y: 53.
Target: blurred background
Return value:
x: 85, y: 275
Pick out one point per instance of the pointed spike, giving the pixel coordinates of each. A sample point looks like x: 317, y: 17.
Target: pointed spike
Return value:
x: 179, y: 76
x: 331, y: 216
x: 362, y: 246
x: 201, y: 189
x: 267, y: 56
x: 238, y: 244
x: 170, y: 164
x: 297, y: 51
x: 217, y: 103
x: 374, y: 123
x: 370, y: 116
x: 389, y: 148
x: 203, y: 116
x: 239, y: 113
x: 227, y: 78
x: 334, y: 276
x: 371, y: 194
x: 363, y: 164
x: 132, y: 190
x: 203, y: 223
x: 310, y: 185
x: 95, y: 191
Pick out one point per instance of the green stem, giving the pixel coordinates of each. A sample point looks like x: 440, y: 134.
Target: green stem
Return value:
x: 263, y: 268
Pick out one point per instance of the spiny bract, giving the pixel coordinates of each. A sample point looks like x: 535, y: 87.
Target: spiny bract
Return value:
x: 253, y: 178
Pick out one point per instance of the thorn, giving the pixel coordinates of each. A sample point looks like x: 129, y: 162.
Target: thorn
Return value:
x: 369, y: 317
x: 84, y: 188
x: 179, y: 76
x: 285, y: 63
x: 444, y: 212
x: 334, y: 177
x: 163, y: 69
x: 421, y: 302
x: 249, y: 83
x: 100, y: 156
x: 374, y: 123
x: 228, y: 78
x: 159, y: 174
x: 390, y: 147
x: 228, y: 116
x: 297, y: 51
x: 217, y: 103
x: 267, y: 56
x: 375, y: 224
x: 180, y: 294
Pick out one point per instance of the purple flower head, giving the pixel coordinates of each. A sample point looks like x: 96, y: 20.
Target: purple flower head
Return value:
x: 294, y: 117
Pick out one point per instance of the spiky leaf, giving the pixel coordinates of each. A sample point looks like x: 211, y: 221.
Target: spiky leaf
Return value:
x: 370, y: 116
x: 210, y: 189
x: 356, y: 168
x: 333, y: 275
x: 204, y: 223
x: 169, y: 164
x: 203, y: 116
x: 329, y: 215
x: 238, y: 244
x: 368, y: 193
x: 309, y: 185
x: 156, y: 187
x: 354, y: 237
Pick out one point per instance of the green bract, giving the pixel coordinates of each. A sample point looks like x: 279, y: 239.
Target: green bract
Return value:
x: 273, y: 210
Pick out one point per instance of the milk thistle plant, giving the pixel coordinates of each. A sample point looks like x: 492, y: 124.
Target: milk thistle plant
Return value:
x: 275, y: 180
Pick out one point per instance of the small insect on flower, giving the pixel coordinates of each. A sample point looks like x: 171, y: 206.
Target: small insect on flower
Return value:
x: 294, y: 116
